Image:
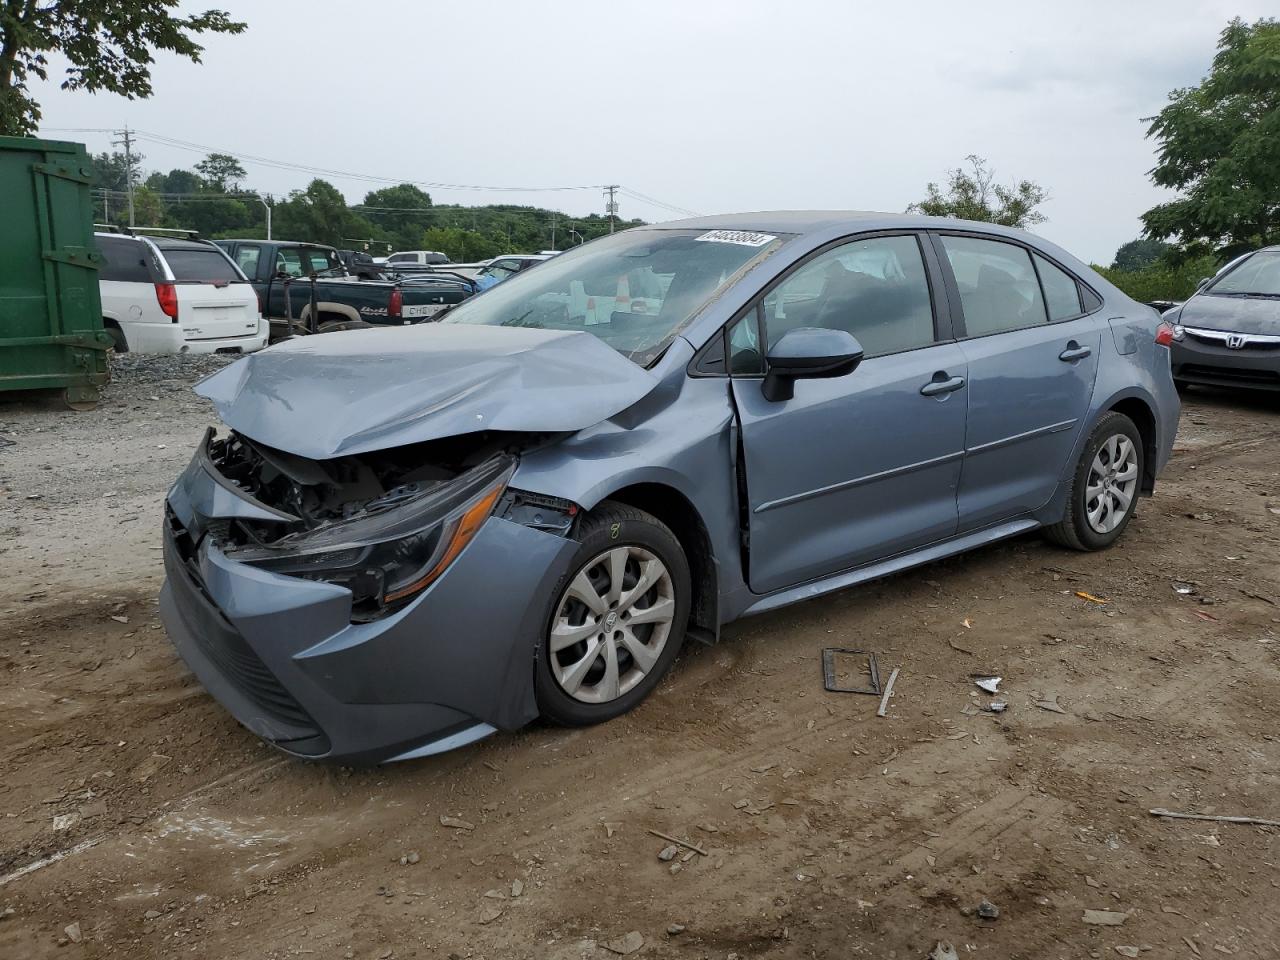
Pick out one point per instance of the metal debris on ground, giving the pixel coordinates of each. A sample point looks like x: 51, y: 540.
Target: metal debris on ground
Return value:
x: 989, y: 684
x: 1254, y: 821
x: 943, y: 951
x: 988, y: 910
x: 1090, y: 597
x: 681, y: 843
x: 1050, y: 704
x: 829, y: 671
x: 1185, y: 589
x: 996, y: 706
x: 888, y: 692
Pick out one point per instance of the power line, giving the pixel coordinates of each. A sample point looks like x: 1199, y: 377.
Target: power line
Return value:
x: 188, y: 145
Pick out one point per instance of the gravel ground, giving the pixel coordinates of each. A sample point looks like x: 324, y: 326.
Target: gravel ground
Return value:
x: 140, y: 821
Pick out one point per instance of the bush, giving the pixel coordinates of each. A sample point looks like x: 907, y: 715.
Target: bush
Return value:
x: 1161, y: 281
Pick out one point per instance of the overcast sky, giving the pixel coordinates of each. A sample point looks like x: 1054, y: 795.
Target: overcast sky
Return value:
x: 712, y: 106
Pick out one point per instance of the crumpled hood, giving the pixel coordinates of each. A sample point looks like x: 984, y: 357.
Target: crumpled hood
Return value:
x: 354, y: 391
x: 1237, y: 314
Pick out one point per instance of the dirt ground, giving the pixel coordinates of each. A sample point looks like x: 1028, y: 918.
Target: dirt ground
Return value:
x: 139, y: 820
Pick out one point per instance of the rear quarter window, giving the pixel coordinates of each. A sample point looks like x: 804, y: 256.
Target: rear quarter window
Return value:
x: 201, y: 266
x: 123, y: 260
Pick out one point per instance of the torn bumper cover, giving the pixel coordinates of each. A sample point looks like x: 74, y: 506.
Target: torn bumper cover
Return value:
x: 286, y: 654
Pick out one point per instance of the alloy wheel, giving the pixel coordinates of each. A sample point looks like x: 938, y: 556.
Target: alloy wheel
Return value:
x: 1112, y: 483
x: 611, y: 624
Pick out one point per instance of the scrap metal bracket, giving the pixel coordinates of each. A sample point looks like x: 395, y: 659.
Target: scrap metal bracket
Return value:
x: 829, y: 671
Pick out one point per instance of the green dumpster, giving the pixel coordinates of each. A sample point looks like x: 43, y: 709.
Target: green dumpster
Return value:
x: 51, y: 334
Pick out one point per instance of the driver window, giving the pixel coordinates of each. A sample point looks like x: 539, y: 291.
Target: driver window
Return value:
x: 875, y: 289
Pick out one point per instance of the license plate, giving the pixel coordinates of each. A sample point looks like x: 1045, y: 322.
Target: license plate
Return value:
x: 422, y: 309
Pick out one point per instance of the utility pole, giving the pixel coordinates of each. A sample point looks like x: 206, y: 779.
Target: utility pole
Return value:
x: 126, y: 138
x: 553, y: 233
x: 611, y: 205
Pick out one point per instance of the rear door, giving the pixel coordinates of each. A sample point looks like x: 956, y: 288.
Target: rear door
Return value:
x: 1032, y: 354
x: 215, y: 301
x: 127, y: 282
x: 861, y: 467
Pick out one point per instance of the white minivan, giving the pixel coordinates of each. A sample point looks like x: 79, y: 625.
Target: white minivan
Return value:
x: 165, y: 295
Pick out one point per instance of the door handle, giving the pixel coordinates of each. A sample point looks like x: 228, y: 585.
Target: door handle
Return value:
x: 1074, y: 352
x: 936, y: 387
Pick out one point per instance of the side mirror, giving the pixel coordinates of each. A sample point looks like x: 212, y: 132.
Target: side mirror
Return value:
x: 1202, y: 282
x: 809, y: 353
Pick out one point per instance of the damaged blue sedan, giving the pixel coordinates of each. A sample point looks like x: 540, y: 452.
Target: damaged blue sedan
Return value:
x: 405, y: 540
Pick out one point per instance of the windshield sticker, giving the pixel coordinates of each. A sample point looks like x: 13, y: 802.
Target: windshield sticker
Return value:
x: 740, y: 237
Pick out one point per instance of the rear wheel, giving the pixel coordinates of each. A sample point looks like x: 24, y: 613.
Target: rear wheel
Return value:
x: 1104, y: 489
x: 118, y: 343
x: 618, y: 618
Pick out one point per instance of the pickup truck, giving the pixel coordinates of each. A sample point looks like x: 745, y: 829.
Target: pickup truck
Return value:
x: 304, y: 288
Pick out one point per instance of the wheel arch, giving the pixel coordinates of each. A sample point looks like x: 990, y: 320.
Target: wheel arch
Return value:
x: 343, y: 310
x: 1143, y: 416
x: 677, y: 511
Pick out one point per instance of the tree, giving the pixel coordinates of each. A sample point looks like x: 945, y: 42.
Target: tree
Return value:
x: 222, y: 172
x: 461, y: 246
x: 1220, y: 148
x: 175, y: 181
x: 1140, y: 254
x: 974, y: 195
x: 400, y: 211
x: 108, y: 45
x: 319, y: 214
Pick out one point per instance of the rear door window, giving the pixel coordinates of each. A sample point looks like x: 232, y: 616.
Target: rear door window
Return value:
x: 200, y: 266
x: 289, y: 262
x: 123, y: 260
x: 318, y: 260
x: 1061, y: 293
x: 247, y: 258
x: 999, y: 289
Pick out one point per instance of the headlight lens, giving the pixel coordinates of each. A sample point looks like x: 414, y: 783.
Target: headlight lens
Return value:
x: 388, y: 557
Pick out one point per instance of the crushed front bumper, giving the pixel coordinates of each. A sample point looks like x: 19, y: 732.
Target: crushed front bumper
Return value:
x: 282, y: 655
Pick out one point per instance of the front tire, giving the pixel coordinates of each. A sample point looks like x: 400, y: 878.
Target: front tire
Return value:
x: 1104, y: 488
x: 617, y: 620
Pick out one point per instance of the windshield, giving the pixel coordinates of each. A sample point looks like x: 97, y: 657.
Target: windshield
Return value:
x: 634, y: 290
x: 1258, y: 276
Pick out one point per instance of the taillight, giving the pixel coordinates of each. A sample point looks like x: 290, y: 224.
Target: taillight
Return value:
x: 167, y: 297
x: 1167, y: 333
x: 395, y: 303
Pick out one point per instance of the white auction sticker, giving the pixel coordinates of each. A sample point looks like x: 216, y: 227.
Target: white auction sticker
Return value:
x: 737, y: 236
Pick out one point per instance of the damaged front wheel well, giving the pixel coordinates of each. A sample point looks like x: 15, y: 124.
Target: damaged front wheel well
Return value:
x: 674, y: 509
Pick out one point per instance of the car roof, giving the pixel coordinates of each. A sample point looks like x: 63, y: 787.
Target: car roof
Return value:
x: 814, y: 221
x: 173, y: 243
x: 276, y: 243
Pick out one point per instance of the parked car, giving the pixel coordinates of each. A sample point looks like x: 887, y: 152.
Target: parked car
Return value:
x: 280, y: 271
x: 422, y: 258
x: 1228, y: 333
x: 408, y: 540
x: 500, y: 268
x: 167, y: 295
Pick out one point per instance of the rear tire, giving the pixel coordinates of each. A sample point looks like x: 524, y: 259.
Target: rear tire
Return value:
x: 616, y: 638
x: 118, y: 343
x: 1104, y: 488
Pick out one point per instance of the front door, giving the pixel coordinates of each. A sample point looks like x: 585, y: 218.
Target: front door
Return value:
x: 861, y: 467
x: 1032, y: 357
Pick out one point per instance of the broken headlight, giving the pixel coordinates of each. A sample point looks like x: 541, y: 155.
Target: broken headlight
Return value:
x: 391, y: 552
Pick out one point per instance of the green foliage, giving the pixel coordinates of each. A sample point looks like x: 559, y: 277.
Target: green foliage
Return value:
x: 221, y: 172
x: 399, y: 213
x: 460, y: 246
x: 1162, y: 280
x: 1140, y: 254
x: 175, y: 181
x: 320, y: 214
x: 1220, y: 148
x: 110, y: 170
x: 973, y: 194
x: 108, y: 45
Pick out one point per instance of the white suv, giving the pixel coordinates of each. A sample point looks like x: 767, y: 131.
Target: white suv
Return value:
x: 162, y: 295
